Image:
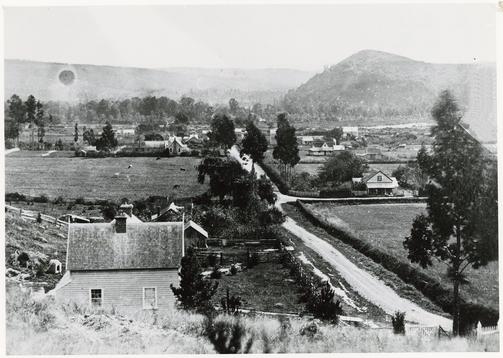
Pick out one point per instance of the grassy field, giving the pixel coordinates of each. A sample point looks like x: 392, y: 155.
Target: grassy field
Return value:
x: 46, y: 327
x: 386, y: 225
x: 31, y: 174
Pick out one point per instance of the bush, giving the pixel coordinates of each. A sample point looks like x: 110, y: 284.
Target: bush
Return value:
x: 212, y: 260
x: 276, y: 178
x: 252, y: 259
x: 216, y: 274
x: 398, y: 321
x: 323, y: 306
x: 41, y: 199
x: 194, y: 153
x: 80, y: 201
x: 15, y: 197
x: 228, y: 337
x: 230, y: 304
x: 234, y: 270
x: 59, y: 200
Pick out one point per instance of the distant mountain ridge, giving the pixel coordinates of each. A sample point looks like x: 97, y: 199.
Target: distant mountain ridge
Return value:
x: 375, y: 83
x: 95, y: 82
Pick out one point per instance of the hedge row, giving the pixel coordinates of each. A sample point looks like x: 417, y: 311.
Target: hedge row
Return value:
x: 470, y: 313
x: 276, y: 178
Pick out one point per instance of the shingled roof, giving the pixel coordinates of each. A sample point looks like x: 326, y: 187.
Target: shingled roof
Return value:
x: 142, y: 246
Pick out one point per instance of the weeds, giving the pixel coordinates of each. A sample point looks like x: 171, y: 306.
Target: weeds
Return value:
x: 398, y: 321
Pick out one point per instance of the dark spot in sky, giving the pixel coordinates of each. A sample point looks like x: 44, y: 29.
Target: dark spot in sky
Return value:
x: 66, y: 77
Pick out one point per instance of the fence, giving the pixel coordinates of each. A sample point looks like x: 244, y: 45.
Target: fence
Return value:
x: 485, y: 331
x: 33, y: 215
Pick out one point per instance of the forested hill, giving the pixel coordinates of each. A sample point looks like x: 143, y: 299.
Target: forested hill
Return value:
x: 96, y: 82
x: 379, y: 84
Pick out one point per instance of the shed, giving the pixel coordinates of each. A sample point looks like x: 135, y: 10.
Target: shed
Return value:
x: 195, y: 235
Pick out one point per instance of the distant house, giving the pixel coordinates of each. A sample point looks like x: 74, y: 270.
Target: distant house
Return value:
x: 305, y: 139
x: 125, y: 264
x: 325, y: 149
x: 167, y: 213
x: 173, y: 145
x: 376, y: 183
x: 346, y: 131
x: 195, y: 235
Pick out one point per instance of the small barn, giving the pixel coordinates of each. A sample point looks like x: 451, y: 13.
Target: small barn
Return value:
x: 195, y: 235
x: 125, y: 264
x: 377, y: 183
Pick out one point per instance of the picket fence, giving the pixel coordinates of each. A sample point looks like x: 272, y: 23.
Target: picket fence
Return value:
x: 32, y: 215
x: 485, y: 331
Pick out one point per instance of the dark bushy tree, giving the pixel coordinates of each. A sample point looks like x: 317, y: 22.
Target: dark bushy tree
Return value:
x: 107, y: 141
x: 341, y: 168
x: 194, y: 292
x: 222, y: 131
x: 461, y: 226
x: 254, y: 143
x: 323, y: 306
x: 286, y: 149
x: 223, y: 174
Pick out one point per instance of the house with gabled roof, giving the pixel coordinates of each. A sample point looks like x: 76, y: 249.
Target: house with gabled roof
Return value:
x: 377, y: 183
x: 125, y: 264
x: 195, y: 235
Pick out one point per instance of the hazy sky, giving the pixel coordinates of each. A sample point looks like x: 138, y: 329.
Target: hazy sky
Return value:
x: 249, y: 36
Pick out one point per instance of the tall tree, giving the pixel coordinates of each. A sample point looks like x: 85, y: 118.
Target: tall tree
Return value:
x: 223, y: 174
x: 107, y: 141
x: 254, y: 142
x: 222, y: 130
x: 16, y: 114
x: 31, y: 109
x: 460, y: 227
x: 233, y: 106
x: 342, y: 167
x: 194, y: 292
x: 76, y: 133
x: 286, y: 149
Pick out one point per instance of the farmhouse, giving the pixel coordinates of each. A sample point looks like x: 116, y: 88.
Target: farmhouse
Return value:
x: 125, y: 264
x: 325, y: 149
x: 376, y: 183
x: 173, y: 144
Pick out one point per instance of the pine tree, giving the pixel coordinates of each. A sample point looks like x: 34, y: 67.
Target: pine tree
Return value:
x: 461, y: 226
x: 286, y: 149
x: 107, y: 141
x: 254, y: 143
x: 194, y: 292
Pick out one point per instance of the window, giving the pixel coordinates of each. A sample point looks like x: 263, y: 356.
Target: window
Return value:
x: 379, y: 178
x: 96, y: 297
x: 149, y: 298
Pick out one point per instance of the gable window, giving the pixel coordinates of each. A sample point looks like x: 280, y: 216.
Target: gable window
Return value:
x: 149, y: 298
x: 379, y: 178
x: 96, y: 297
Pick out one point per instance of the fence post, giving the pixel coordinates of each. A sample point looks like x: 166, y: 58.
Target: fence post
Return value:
x: 479, y: 329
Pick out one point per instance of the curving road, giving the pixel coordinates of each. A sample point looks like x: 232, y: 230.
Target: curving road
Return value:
x: 367, y: 285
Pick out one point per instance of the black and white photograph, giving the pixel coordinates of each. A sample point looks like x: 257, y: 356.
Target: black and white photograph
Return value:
x: 215, y: 178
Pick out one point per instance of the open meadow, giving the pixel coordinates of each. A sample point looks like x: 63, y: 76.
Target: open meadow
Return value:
x: 385, y: 227
x: 32, y: 174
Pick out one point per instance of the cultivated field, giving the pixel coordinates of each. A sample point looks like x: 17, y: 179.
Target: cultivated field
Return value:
x: 386, y: 225
x: 31, y: 174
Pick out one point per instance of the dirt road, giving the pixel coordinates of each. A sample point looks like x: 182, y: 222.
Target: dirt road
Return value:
x: 367, y: 285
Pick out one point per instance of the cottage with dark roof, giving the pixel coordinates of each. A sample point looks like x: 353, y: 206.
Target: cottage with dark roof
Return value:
x: 126, y: 264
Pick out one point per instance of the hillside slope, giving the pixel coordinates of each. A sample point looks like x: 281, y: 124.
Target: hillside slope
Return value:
x: 96, y: 82
x: 378, y: 84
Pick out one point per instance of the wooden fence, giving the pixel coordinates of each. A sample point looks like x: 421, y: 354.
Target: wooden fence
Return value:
x: 33, y: 215
x: 485, y: 331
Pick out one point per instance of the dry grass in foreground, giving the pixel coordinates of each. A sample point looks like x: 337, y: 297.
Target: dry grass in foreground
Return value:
x: 47, y: 327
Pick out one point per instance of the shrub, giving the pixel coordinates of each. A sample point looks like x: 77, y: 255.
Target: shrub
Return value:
x: 15, y: 197
x: 228, y: 337
x: 276, y: 178
x: 398, y: 321
x: 216, y: 274
x: 230, y: 304
x: 212, y: 260
x: 41, y: 199
x: 59, y: 200
x: 80, y: 201
x: 252, y: 259
x: 323, y: 306
x: 234, y: 270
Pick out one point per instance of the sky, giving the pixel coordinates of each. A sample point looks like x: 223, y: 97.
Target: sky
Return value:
x: 305, y: 37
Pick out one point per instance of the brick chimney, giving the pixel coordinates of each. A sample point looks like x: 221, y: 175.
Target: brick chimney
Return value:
x: 127, y: 209
x: 120, y: 223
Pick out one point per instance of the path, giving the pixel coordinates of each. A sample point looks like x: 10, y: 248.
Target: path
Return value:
x: 48, y: 153
x: 367, y: 285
